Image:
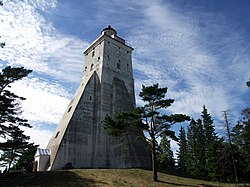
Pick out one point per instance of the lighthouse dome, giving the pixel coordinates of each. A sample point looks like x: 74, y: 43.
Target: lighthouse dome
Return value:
x: 109, y: 31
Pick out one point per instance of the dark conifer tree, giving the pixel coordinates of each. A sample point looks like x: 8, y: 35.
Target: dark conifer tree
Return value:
x: 191, y: 144
x: 165, y: 154
x: 182, y: 152
x: 25, y: 162
x: 10, y: 108
x: 195, y: 149
x: 211, y: 146
x: 200, y: 148
x: 16, y: 144
x: 245, y: 121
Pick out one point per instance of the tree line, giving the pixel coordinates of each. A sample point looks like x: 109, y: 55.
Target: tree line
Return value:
x: 203, y: 154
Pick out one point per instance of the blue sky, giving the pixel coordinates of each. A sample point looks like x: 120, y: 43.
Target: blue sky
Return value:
x: 199, y: 49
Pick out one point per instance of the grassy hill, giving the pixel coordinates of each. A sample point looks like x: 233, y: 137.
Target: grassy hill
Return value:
x: 108, y: 177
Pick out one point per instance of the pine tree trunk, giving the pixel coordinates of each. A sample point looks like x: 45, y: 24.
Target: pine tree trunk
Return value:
x: 154, y: 162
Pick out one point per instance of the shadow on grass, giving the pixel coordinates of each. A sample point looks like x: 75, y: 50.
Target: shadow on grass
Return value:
x: 54, y: 178
x: 175, y: 184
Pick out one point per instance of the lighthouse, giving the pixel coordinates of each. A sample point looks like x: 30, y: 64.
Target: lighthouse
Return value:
x: 106, y: 88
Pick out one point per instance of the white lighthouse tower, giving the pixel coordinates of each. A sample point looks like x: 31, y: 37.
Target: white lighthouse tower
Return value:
x: 107, y: 87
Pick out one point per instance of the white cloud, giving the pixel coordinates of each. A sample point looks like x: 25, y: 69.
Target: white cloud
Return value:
x: 171, y: 49
x: 33, y: 42
x: 41, y: 137
x: 45, y: 101
x: 174, y: 147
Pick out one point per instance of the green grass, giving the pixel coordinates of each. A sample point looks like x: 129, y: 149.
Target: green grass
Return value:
x: 109, y: 177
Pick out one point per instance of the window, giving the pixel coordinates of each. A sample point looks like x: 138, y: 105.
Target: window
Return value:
x: 93, y: 53
x: 57, y: 134
x: 99, y: 58
x: 86, y: 68
x: 69, y: 109
x: 90, y: 98
x: 118, y: 66
x: 91, y: 67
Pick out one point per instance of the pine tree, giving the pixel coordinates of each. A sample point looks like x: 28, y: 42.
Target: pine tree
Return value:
x: 16, y: 144
x: 182, y: 152
x: 10, y: 108
x: 147, y: 118
x: 25, y: 162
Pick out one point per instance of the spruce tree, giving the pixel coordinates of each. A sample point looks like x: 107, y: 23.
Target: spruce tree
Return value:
x: 182, y: 152
x: 245, y: 121
x: 190, y: 151
x: 200, y: 148
x: 211, y: 145
x: 165, y: 154
x: 195, y: 149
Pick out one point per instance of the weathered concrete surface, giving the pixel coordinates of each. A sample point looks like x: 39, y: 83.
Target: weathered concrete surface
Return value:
x: 107, y: 87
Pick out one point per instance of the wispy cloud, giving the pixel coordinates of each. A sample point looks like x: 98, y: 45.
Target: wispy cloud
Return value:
x: 39, y: 136
x: 173, y: 50
x: 45, y: 101
x: 33, y: 42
